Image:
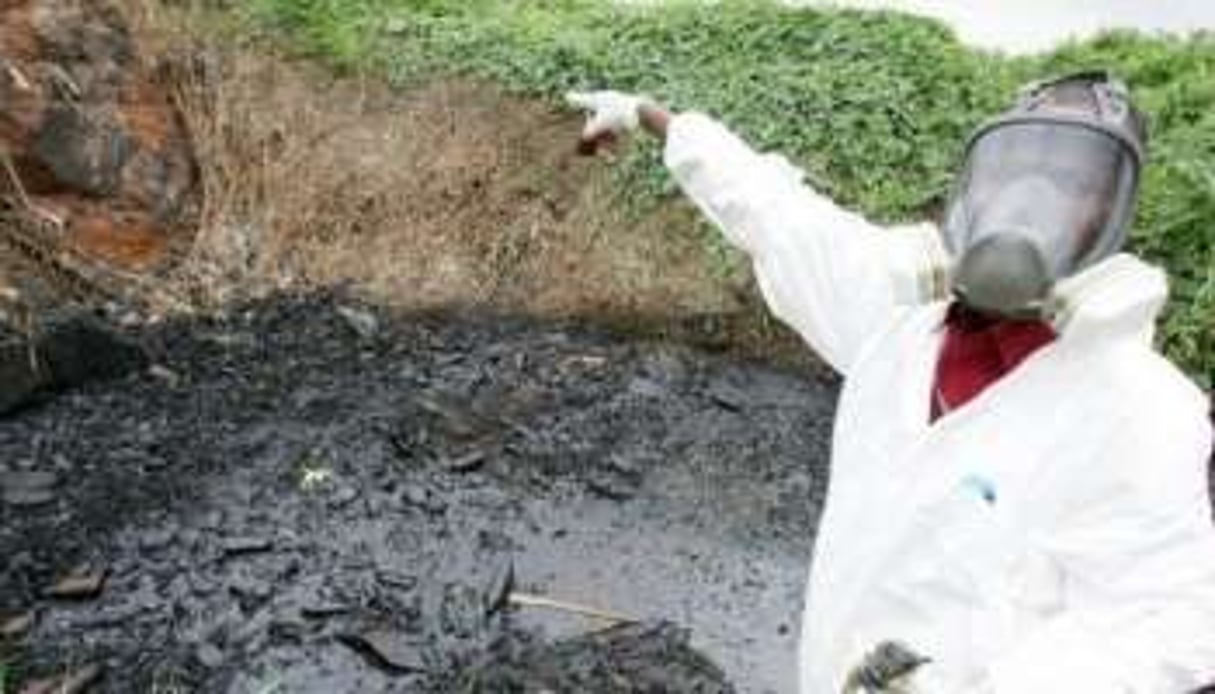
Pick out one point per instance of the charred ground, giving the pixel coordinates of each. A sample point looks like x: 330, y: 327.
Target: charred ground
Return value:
x: 312, y: 495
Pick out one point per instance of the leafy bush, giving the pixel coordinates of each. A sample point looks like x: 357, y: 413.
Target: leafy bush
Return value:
x: 874, y: 105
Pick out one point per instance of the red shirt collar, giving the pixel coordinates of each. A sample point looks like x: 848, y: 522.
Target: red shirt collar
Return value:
x: 978, y: 350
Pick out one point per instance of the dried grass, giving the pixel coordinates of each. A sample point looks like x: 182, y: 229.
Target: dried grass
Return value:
x: 453, y: 194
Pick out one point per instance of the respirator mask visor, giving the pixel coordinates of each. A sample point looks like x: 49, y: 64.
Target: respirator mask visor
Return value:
x: 1038, y: 201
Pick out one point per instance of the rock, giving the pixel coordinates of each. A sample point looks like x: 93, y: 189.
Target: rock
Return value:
x: 624, y: 465
x: 76, y: 347
x: 324, y: 610
x: 67, y: 347
x: 454, y: 421
x: 20, y: 373
x: 646, y: 388
x: 618, y: 660
x: 396, y: 579
x: 115, y: 616
x: 236, y: 546
x: 496, y: 594
x: 179, y: 589
x: 93, y: 134
x: 75, y: 682
x: 425, y: 500
x: 209, y: 656
x: 16, y: 627
x: 468, y: 462
x: 727, y: 396
x: 81, y: 584
x: 612, y: 486
x: 250, y: 589
x: 155, y: 540
x: 363, y: 323
x: 212, y: 520
x: 286, y: 628
x: 388, y: 650
x: 343, y: 497
x: 461, y: 611
x: 202, y: 586
x: 28, y: 488
x: 165, y: 374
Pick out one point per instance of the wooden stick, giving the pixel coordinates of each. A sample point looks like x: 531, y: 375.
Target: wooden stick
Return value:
x: 529, y: 600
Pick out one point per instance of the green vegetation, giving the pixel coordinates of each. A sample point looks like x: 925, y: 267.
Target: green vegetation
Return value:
x: 875, y: 106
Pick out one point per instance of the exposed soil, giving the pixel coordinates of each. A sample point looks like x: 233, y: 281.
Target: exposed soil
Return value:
x: 310, y: 495
x: 451, y: 193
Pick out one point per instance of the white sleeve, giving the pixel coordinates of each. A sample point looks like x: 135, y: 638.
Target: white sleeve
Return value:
x: 827, y: 272
x: 1140, y: 574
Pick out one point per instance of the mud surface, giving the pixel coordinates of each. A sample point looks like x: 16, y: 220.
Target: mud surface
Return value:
x: 311, y: 496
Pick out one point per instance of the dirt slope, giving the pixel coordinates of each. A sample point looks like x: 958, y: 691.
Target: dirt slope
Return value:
x: 451, y: 194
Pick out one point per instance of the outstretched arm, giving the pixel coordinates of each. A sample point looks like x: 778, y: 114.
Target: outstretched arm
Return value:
x: 827, y: 272
x: 655, y: 119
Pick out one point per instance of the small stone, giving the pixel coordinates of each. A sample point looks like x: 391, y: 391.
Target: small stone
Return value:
x: 178, y: 588
x: 461, y: 611
x: 236, y: 546
x: 164, y: 373
x: 343, y: 497
x: 612, y: 487
x: 211, y: 521
x: 468, y: 462
x: 414, y: 496
x: 189, y: 538
x: 324, y: 610
x: 28, y: 488
x: 497, y: 590
x: 396, y: 579
x: 727, y: 396
x: 155, y: 540
x: 209, y: 656
x: 423, y: 499
x: 250, y: 588
x: 80, y: 585
x: 287, y: 628
x: 646, y: 388
x: 202, y: 586
x: 112, y: 616
x: 286, y: 538
x: 361, y: 322
x: 74, y: 682
x: 388, y: 650
x: 28, y: 498
x: 16, y: 627
x: 624, y: 465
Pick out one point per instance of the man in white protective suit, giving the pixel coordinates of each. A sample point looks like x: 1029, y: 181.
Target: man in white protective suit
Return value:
x: 1018, y: 498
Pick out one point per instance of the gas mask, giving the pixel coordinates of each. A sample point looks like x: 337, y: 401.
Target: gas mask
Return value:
x: 1048, y: 189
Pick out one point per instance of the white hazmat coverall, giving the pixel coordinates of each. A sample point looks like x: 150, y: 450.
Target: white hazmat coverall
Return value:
x: 1052, y: 535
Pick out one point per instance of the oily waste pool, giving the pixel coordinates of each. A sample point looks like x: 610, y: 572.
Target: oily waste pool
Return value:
x: 310, y: 495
